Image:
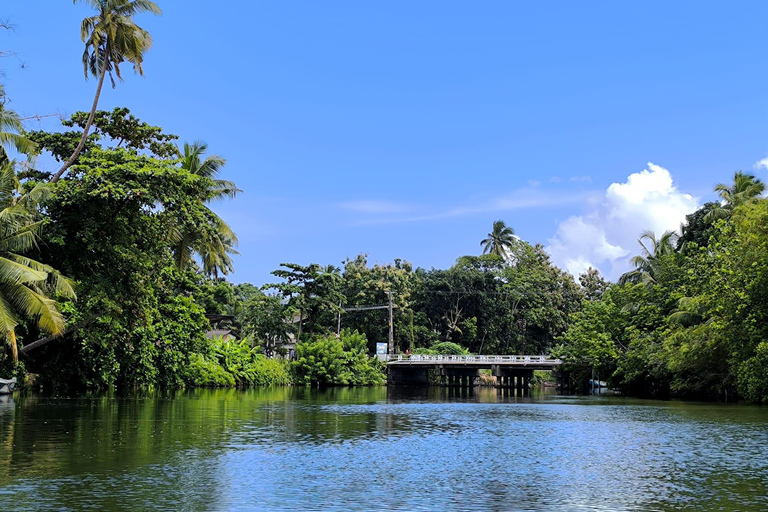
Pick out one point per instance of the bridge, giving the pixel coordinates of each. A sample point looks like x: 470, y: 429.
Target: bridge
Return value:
x: 462, y: 370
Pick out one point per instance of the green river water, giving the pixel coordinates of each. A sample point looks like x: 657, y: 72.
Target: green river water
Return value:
x: 379, y: 449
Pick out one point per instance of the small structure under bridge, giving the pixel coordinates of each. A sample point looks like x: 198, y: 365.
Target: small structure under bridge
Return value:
x: 510, y: 371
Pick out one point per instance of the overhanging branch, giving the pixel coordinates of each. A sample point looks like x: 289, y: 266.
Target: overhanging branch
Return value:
x: 47, y: 339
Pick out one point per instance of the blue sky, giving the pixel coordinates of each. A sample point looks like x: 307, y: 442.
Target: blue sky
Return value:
x: 404, y: 129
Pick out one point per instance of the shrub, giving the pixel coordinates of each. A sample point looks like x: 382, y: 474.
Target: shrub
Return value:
x: 332, y: 361
x: 236, y: 363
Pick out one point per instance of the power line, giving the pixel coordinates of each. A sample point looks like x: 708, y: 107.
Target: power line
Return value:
x: 365, y: 308
x: 462, y: 292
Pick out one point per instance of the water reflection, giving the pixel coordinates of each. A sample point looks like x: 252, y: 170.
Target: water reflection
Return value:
x: 378, y: 448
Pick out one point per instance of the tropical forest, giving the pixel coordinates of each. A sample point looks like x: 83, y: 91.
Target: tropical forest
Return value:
x: 115, y: 274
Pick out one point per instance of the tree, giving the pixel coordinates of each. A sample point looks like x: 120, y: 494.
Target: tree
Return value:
x: 500, y: 240
x: 593, y: 284
x: 697, y: 229
x: 10, y: 128
x: 113, y: 129
x: 310, y: 290
x: 26, y: 285
x: 647, y: 262
x: 745, y: 188
x: 108, y: 227
x: 215, y: 240
x: 111, y: 38
x: 364, y: 286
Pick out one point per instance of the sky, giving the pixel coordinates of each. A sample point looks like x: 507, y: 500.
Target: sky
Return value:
x: 403, y: 129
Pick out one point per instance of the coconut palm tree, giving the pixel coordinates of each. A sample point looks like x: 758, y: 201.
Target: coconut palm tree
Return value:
x: 26, y: 285
x: 192, y: 160
x: 745, y: 188
x: 647, y: 262
x: 215, y: 241
x: 111, y: 38
x: 10, y: 128
x: 215, y: 247
x: 500, y: 240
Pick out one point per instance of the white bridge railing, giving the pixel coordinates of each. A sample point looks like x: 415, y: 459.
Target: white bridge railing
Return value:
x: 420, y: 358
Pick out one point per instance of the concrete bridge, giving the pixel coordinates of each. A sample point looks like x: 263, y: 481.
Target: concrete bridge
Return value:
x: 510, y: 371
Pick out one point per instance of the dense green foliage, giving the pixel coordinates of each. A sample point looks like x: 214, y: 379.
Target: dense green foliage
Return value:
x: 125, y: 223
x: 691, y: 320
x: 232, y: 363
x: 337, y: 360
x: 127, y: 219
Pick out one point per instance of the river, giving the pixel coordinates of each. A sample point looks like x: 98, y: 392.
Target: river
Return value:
x: 379, y: 449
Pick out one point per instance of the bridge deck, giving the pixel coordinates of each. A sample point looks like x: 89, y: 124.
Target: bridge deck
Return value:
x: 479, y: 361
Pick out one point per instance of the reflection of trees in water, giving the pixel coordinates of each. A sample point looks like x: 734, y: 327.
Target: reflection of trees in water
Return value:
x: 309, y: 415
x: 191, y: 450
x: 6, y: 433
x: 50, y: 437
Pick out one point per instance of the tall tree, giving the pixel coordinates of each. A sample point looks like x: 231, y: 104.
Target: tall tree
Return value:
x: 745, y: 188
x: 26, y: 285
x: 697, y: 229
x: 213, y: 241
x: 500, y: 240
x: 647, y: 262
x: 10, y: 132
x: 111, y: 38
x: 311, y: 291
x: 592, y: 284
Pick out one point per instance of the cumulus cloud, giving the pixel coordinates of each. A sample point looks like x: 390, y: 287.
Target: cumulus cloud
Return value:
x: 762, y: 164
x: 605, y: 236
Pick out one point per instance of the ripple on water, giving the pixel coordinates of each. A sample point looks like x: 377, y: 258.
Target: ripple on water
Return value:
x: 362, y: 450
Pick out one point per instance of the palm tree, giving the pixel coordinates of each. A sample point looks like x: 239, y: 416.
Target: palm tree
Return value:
x: 215, y: 246
x: 111, y: 38
x: 499, y: 240
x: 745, y: 188
x: 647, y: 262
x: 215, y: 241
x: 26, y: 285
x: 690, y: 311
x: 10, y: 126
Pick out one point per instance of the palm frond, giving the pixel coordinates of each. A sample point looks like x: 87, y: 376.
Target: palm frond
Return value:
x: 39, y: 307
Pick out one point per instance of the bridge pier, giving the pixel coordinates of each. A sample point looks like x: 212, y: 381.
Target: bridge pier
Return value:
x: 513, y: 378
x: 456, y: 377
x: 564, y: 382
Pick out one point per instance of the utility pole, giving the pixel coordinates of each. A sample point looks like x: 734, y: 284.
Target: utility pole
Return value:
x: 391, y: 349
x: 338, y: 326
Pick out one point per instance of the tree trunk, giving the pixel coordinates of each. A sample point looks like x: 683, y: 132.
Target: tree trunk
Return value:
x: 43, y: 341
x: 482, y: 342
x: 14, y: 347
x: 87, y: 128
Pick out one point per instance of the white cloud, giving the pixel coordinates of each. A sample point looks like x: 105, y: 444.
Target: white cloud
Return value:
x: 762, y: 164
x: 605, y: 237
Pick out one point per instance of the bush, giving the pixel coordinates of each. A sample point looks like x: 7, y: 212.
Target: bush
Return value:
x: 236, y: 363
x: 204, y: 373
x: 752, y: 376
x: 332, y: 361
